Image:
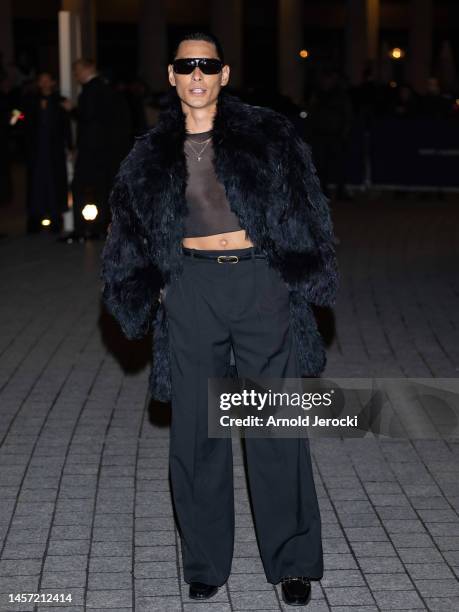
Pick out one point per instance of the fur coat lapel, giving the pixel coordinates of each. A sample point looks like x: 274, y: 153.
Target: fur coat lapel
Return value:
x: 249, y: 147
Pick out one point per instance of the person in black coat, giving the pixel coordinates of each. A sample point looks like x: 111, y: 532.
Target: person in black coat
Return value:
x: 103, y: 130
x: 222, y: 238
x: 5, y: 113
x: 330, y: 120
x: 48, y: 137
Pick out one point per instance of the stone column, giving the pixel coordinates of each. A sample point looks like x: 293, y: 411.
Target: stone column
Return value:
x: 6, y: 33
x: 226, y: 24
x: 386, y: 68
x: 362, y: 37
x: 290, y: 41
x: 420, y: 45
x: 153, y: 44
x: 86, y: 11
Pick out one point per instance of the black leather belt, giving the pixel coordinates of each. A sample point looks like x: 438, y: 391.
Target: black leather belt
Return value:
x: 223, y: 258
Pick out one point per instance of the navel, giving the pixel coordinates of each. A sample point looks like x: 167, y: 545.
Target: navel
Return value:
x: 223, y: 241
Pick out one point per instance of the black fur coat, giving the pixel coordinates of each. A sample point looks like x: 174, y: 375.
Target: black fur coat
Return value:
x: 271, y: 184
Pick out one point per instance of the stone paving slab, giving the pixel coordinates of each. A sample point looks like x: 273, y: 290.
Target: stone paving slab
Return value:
x: 85, y: 503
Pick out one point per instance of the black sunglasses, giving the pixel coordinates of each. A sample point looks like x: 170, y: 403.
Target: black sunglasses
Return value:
x: 206, y: 64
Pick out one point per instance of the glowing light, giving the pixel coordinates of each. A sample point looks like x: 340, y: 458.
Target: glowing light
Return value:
x: 397, y: 53
x: 46, y: 222
x: 304, y: 53
x: 393, y: 83
x: 89, y: 212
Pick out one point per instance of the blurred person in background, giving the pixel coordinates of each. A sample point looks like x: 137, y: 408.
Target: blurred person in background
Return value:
x: 5, y: 111
x: 405, y: 102
x: 137, y: 93
x: 369, y: 97
x: 103, y: 139
x: 329, y: 125
x: 48, y: 138
x: 433, y: 104
x: 152, y: 108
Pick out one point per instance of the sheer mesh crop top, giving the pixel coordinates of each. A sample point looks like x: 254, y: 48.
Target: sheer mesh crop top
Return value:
x: 209, y: 211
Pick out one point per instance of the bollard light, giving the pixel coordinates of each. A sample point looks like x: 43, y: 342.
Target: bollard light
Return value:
x: 89, y: 212
x: 397, y: 53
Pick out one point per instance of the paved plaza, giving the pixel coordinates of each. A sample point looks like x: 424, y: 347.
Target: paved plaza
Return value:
x: 85, y: 507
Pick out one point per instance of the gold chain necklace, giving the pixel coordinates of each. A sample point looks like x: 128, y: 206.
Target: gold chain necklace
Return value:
x: 199, y: 141
x: 198, y: 155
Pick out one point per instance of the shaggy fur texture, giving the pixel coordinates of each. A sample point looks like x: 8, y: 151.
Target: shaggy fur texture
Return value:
x: 271, y: 184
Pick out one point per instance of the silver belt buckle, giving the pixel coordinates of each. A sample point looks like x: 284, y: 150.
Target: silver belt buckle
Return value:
x: 228, y: 259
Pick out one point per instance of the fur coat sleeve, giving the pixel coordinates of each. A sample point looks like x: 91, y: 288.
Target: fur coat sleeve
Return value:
x: 303, y: 231
x: 130, y: 280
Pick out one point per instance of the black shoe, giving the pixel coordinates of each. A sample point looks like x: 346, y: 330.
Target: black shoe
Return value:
x: 200, y: 590
x: 296, y: 591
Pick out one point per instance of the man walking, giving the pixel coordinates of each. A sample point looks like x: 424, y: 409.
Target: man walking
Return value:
x: 48, y: 138
x: 102, y: 142
x: 221, y: 237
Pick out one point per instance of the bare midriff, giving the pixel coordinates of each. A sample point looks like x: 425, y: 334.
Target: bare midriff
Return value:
x: 228, y: 240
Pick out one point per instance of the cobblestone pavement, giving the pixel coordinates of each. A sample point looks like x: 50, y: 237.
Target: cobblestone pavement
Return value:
x: 84, y: 494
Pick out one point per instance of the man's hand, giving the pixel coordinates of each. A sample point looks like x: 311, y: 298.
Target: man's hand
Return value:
x: 67, y: 104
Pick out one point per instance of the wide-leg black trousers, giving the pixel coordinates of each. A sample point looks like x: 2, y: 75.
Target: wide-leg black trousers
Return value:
x: 210, y: 307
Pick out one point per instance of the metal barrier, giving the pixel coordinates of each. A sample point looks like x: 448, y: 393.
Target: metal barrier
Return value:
x: 403, y: 154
